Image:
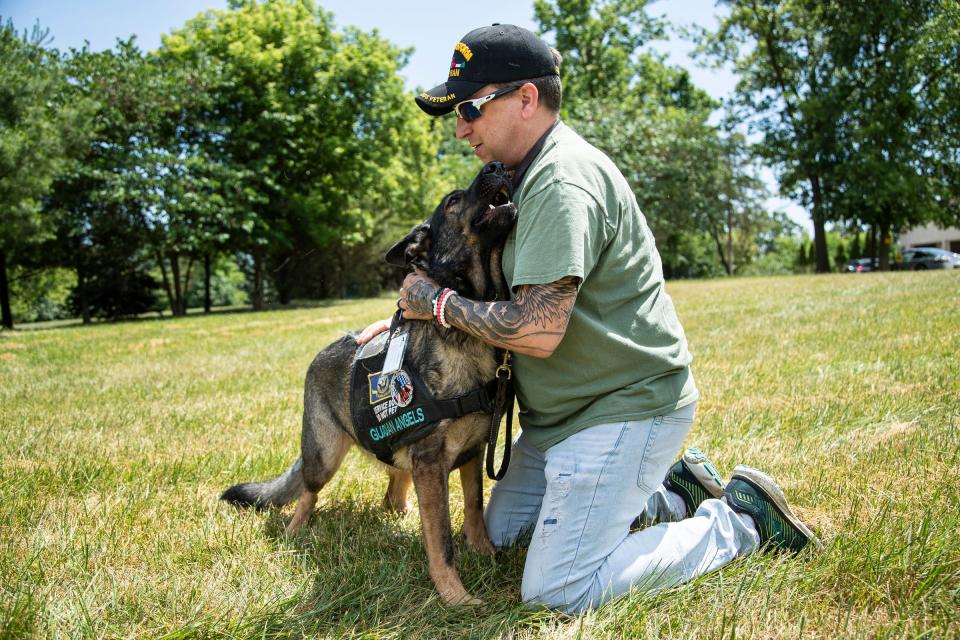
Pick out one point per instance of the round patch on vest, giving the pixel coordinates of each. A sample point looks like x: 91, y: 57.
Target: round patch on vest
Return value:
x: 401, y: 388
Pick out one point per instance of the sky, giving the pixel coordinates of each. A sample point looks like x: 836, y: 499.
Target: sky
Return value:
x: 429, y: 26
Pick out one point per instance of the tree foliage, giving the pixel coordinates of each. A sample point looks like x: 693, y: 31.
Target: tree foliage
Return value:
x: 692, y: 179
x: 38, y: 132
x: 263, y: 136
x: 260, y: 132
x: 852, y: 101
x: 896, y: 103
x: 320, y: 121
x: 97, y: 204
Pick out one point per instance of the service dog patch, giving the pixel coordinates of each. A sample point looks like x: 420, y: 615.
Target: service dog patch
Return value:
x: 389, y: 392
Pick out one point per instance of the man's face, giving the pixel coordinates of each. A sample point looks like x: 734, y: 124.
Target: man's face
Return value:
x: 494, y: 135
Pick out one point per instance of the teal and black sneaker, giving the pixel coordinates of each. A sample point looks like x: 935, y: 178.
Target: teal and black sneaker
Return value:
x: 754, y: 493
x: 694, y: 478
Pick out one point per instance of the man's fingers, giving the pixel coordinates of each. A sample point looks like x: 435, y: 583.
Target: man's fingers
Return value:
x: 372, y: 331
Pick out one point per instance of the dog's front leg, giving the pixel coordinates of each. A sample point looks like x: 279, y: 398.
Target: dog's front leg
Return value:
x: 430, y: 482
x: 474, y: 528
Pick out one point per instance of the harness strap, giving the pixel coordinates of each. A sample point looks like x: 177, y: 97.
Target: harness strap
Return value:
x: 479, y: 400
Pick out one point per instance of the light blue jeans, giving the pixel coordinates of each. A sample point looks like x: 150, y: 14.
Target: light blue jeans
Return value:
x: 580, y: 498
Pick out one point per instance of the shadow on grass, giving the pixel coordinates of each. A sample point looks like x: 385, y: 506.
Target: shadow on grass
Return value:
x: 372, y: 581
x: 295, y: 305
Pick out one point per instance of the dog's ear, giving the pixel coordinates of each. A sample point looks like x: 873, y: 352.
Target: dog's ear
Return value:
x: 412, y: 249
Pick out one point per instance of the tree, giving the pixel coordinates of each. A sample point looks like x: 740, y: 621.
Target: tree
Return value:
x: 938, y: 55
x: 891, y: 158
x: 732, y: 201
x: 321, y: 122
x: 690, y: 177
x: 853, y: 101
x: 602, y: 45
x: 97, y: 204
x: 785, y: 93
x: 195, y: 202
x: 38, y: 133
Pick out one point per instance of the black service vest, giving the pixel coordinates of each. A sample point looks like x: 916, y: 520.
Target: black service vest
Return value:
x: 392, y: 409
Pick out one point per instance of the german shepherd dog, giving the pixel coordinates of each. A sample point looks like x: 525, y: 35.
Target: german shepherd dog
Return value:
x: 460, y: 247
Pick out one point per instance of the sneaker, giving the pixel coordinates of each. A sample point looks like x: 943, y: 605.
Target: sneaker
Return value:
x: 754, y: 493
x: 694, y: 478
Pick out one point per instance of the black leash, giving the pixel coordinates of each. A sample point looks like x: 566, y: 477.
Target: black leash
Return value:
x: 502, y: 402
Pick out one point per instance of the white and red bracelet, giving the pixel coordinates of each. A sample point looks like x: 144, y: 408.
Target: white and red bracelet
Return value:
x: 433, y: 303
x: 440, y: 306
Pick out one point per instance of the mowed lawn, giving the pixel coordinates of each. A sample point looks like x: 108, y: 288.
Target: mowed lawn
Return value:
x: 118, y: 439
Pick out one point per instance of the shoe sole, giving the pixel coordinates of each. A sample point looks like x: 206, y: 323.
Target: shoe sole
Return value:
x: 768, y: 485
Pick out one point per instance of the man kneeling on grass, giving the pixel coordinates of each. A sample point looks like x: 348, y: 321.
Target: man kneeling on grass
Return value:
x: 601, y: 362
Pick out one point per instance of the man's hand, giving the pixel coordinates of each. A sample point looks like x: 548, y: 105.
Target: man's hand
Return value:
x: 416, y: 296
x: 373, y: 330
x: 415, y: 293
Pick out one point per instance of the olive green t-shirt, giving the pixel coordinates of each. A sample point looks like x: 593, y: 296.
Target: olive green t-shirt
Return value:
x: 624, y: 355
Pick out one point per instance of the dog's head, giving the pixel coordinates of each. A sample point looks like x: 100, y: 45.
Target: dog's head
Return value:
x: 460, y: 245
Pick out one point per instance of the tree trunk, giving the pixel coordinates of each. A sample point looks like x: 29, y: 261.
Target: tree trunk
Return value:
x: 166, y: 280
x: 206, y: 283
x: 186, y: 286
x: 257, y: 282
x: 5, y: 311
x: 177, y: 306
x: 819, y: 228
x: 730, y: 256
x: 884, y: 246
x: 82, y: 294
x: 715, y: 234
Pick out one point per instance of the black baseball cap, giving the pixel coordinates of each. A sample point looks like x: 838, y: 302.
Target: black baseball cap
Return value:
x: 488, y: 55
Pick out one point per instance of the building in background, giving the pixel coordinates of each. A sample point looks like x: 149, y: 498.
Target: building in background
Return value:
x: 931, y: 236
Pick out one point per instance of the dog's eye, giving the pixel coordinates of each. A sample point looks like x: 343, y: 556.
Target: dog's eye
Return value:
x: 453, y: 200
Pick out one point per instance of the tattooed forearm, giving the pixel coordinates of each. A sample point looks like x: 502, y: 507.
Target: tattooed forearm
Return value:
x: 533, y: 323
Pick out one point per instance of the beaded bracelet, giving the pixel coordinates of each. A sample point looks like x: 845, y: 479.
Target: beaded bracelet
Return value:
x: 435, y: 303
x: 442, y: 307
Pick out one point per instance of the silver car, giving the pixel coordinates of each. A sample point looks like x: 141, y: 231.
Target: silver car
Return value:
x: 929, y: 258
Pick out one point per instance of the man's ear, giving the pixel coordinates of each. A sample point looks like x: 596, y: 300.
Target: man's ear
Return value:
x: 529, y: 99
x: 413, y: 248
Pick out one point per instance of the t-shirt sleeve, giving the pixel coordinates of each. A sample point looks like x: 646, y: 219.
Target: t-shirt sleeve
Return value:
x: 560, y: 232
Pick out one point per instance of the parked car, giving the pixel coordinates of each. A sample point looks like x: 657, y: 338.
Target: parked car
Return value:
x: 928, y: 258
x: 862, y: 265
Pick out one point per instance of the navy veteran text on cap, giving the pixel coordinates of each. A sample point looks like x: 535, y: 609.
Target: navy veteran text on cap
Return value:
x: 489, y: 55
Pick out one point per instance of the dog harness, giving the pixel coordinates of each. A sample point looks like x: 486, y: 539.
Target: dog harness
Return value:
x: 394, y: 408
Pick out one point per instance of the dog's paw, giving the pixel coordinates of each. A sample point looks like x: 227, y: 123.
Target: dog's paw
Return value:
x: 461, y: 600
x: 392, y: 506
x: 481, y: 545
x: 477, y: 538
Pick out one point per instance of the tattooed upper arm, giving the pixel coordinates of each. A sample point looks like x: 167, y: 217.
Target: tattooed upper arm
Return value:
x: 533, y: 323
x: 548, y: 305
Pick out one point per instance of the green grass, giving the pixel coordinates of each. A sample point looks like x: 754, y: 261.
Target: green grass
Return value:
x: 118, y: 439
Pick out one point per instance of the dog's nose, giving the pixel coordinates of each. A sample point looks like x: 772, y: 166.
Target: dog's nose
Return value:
x: 494, y: 167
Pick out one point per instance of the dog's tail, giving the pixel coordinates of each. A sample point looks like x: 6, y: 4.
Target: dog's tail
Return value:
x: 283, y: 489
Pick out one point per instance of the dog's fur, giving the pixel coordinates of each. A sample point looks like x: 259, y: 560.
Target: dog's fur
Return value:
x: 460, y: 247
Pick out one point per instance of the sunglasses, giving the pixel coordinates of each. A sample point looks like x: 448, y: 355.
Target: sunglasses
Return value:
x: 469, y: 110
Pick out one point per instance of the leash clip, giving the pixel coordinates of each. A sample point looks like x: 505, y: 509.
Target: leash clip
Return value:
x: 504, y: 367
